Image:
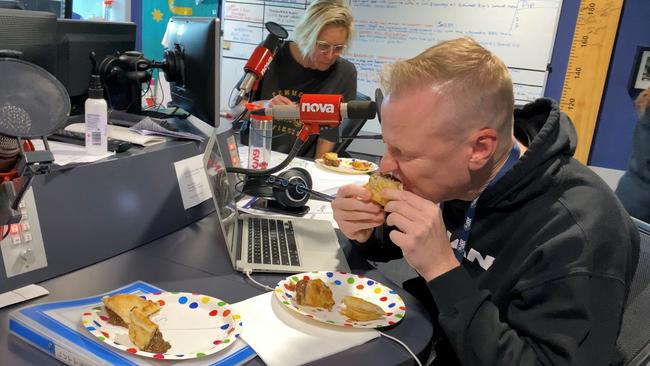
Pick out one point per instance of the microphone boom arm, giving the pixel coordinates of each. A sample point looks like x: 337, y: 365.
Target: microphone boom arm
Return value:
x: 31, y: 163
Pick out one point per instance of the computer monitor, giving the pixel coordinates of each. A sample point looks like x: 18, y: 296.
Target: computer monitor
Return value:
x: 76, y: 39
x: 198, y: 90
x: 32, y: 33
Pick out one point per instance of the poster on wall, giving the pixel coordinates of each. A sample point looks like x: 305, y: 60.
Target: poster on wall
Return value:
x: 156, y: 14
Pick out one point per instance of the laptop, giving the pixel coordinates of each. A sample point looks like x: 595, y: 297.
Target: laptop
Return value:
x: 267, y: 243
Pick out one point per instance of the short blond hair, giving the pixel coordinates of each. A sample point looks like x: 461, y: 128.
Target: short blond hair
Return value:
x: 319, y: 14
x: 466, y: 73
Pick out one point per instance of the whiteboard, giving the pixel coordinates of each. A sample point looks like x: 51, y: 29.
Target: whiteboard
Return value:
x: 520, y: 32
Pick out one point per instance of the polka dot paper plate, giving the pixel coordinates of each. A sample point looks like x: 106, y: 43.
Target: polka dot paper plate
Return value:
x: 344, y: 284
x: 194, y: 325
x: 345, y: 166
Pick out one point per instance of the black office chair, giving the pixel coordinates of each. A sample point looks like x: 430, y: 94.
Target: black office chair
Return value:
x: 349, y: 128
x: 634, y: 339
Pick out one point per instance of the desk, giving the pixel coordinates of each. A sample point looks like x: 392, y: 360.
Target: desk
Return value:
x: 194, y: 259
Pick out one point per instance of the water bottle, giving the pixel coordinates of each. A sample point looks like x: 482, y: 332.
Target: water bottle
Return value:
x: 259, y: 142
x: 108, y: 10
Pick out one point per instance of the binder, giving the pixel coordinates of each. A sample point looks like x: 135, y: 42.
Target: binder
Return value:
x: 55, y: 328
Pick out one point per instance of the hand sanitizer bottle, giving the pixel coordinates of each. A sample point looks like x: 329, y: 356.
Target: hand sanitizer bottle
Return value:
x: 96, y: 118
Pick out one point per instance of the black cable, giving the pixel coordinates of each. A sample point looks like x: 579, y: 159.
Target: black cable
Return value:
x: 137, y: 80
x: 7, y: 233
x: 239, y: 182
x: 109, y: 103
x: 256, y: 173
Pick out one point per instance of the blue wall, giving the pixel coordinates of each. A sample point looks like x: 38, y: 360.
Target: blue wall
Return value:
x: 612, y: 142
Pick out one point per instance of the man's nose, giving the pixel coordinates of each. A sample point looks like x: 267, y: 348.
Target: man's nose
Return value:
x: 387, y: 163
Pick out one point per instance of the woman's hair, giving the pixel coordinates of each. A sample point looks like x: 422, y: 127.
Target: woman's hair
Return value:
x: 318, y: 15
x: 467, y: 74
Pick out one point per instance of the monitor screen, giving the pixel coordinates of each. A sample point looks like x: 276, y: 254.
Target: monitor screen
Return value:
x: 198, y: 90
x: 77, y: 38
x: 32, y: 33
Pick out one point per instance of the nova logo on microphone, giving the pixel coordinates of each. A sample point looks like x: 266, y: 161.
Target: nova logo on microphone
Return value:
x: 266, y: 65
x: 317, y: 108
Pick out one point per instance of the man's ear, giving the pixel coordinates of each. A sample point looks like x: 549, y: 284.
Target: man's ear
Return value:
x: 484, y: 145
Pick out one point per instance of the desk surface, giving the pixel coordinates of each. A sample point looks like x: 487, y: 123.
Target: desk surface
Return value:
x: 194, y: 259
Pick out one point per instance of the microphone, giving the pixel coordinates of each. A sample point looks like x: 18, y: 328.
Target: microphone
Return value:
x: 261, y: 59
x: 9, y: 153
x: 315, y: 110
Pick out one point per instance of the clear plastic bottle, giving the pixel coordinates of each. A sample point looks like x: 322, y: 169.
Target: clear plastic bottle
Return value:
x: 108, y: 10
x: 96, y: 118
x: 259, y: 142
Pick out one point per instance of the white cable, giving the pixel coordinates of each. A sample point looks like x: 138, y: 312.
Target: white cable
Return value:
x: 403, y: 345
x: 248, y: 274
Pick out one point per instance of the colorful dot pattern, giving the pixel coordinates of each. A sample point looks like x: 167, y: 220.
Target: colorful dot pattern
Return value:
x: 344, y: 284
x: 227, y: 323
x: 345, y: 166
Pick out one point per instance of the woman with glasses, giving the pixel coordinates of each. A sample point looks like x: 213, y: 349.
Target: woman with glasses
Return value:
x: 311, y: 64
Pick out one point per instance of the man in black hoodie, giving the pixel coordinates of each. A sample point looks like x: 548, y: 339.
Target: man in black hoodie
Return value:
x: 525, y: 256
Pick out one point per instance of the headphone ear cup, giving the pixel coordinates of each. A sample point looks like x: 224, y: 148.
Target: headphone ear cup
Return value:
x: 305, y: 174
x: 289, y: 196
x: 257, y: 186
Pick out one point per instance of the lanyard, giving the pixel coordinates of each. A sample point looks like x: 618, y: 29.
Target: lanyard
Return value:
x: 463, y: 236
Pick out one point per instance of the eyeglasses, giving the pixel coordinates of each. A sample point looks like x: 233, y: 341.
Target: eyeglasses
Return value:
x: 325, y: 48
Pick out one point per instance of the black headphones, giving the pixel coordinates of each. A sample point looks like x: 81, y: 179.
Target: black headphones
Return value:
x: 290, y: 188
x: 132, y: 65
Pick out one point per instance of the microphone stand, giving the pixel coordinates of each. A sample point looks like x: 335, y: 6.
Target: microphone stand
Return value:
x: 362, y: 137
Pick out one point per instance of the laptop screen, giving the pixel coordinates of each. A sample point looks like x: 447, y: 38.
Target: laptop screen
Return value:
x: 224, y: 201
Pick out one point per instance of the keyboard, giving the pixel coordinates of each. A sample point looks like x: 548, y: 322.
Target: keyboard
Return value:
x: 79, y: 138
x: 272, y: 242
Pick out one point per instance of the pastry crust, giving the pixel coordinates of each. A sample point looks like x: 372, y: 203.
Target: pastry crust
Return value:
x: 145, y: 334
x: 361, y: 310
x: 314, y: 293
x: 361, y: 165
x: 119, y: 308
x: 331, y: 159
x: 379, y: 181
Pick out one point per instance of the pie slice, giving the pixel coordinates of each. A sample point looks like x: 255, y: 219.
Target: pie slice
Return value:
x: 331, y: 159
x: 119, y: 308
x: 379, y: 181
x: 314, y: 293
x: 360, y: 309
x: 145, y: 334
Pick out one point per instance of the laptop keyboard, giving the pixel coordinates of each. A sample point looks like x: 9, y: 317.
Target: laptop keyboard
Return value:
x: 272, y: 242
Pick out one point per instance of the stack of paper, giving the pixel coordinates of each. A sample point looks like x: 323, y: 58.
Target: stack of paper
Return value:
x: 122, y: 133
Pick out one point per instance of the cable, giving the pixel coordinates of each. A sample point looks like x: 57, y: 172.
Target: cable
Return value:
x: 403, y: 345
x: 248, y: 274
x: 7, y: 233
x: 256, y: 173
x: 162, y: 93
x: 239, y: 182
